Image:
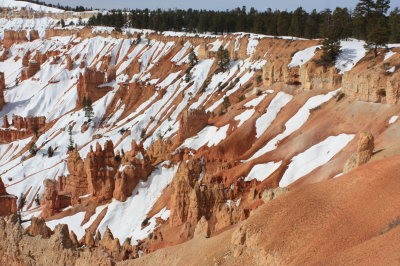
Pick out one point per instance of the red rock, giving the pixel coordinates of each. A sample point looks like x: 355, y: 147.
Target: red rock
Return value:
x: 8, y: 203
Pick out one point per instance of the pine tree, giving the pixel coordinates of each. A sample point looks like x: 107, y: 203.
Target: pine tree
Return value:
x: 88, y: 109
x: 378, y: 36
x: 311, y: 29
x: 50, y: 152
x: 394, y: 24
x: 223, y: 58
x: 382, y: 6
x: 365, y: 7
x: 62, y: 23
x: 331, y: 50
x: 193, y: 59
x: 33, y: 149
x: 71, y: 141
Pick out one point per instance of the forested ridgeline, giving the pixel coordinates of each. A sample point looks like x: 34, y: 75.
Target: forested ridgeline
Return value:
x: 368, y: 21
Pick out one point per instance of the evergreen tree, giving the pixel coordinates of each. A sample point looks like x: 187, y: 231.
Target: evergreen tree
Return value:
x: 382, y: 6
x: 50, y: 152
x: 223, y: 58
x: 193, y: 60
x: 331, y: 50
x: 71, y: 141
x: 311, y: 28
x: 297, y: 23
x: 33, y: 149
x: 88, y: 109
x: 394, y: 24
x: 62, y: 23
x: 378, y: 36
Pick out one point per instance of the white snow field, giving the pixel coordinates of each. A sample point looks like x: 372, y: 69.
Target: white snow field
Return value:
x: 296, y: 122
x: 302, y: 57
x: 260, y: 172
x: 314, y: 157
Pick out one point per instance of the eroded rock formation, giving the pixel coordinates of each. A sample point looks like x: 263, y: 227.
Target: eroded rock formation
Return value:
x: 364, y: 152
x: 8, y: 203
x: 88, y: 85
x: 21, y: 127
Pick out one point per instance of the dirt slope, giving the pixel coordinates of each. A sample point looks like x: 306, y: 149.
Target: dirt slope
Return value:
x: 334, y: 222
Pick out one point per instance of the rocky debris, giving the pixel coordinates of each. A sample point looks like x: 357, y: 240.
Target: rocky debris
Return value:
x: 364, y: 153
x: 191, y: 123
x: 8, y: 203
x: 271, y: 194
x: 238, y: 241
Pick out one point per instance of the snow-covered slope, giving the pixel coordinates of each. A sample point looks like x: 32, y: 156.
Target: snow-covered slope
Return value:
x: 28, y: 6
x: 253, y: 132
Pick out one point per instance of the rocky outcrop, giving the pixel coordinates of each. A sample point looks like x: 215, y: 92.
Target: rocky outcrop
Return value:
x: 70, y: 64
x: 2, y: 88
x: 38, y: 227
x: 21, y: 127
x: 374, y: 80
x: 100, y: 167
x: 11, y: 37
x: 192, y: 199
x: 101, y: 176
x: 136, y: 166
x: 8, y: 203
x: 31, y: 70
x: 18, y: 247
x: 192, y: 121
x: 271, y: 194
x: 88, y: 85
x: 364, y: 152
x: 52, y: 201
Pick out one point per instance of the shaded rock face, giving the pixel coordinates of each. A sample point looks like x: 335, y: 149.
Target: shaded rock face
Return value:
x: 191, y: 200
x: 11, y: 37
x: 51, y: 200
x: 136, y: 166
x: 364, y: 153
x: 8, y: 203
x: 88, y: 85
x: 191, y: 123
x: 22, y: 127
x: 372, y: 80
